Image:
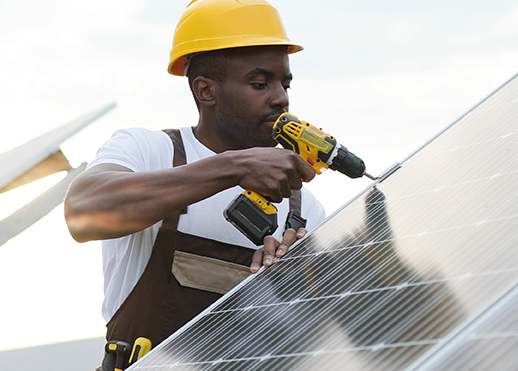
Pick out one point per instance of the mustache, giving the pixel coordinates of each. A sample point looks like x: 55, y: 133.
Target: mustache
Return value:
x: 272, y: 116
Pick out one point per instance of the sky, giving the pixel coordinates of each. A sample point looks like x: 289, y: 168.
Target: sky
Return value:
x: 382, y: 77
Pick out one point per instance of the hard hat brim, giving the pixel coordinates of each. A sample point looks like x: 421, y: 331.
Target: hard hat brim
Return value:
x: 176, y: 67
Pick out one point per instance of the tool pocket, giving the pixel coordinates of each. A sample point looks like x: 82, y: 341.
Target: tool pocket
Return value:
x: 209, y: 274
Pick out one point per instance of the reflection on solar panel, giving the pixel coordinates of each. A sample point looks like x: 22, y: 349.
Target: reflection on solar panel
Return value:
x: 417, y: 272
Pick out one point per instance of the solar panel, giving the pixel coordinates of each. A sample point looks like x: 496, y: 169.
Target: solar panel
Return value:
x: 416, y: 272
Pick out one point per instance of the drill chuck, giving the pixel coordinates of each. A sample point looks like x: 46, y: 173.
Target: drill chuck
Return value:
x: 347, y: 163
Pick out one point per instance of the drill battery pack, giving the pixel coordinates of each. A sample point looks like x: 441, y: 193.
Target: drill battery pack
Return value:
x: 253, y: 215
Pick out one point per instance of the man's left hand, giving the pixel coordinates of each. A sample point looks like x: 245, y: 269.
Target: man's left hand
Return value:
x: 273, y: 248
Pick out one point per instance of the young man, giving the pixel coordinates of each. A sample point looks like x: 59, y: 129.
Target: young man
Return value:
x: 156, y: 199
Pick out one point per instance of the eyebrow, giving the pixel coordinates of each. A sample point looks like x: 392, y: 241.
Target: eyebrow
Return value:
x: 262, y: 71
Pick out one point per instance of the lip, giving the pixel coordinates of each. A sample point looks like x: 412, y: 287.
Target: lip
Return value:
x: 272, y: 119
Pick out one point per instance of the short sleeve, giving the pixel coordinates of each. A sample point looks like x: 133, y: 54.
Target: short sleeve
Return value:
x: 137, y: 149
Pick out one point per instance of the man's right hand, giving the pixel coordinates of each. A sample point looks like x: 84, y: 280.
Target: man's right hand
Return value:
x: 272, y: 172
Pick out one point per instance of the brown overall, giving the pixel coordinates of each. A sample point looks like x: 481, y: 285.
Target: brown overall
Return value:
x: 185, y: 274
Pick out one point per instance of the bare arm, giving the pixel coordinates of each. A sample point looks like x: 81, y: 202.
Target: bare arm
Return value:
x: 109, y: 201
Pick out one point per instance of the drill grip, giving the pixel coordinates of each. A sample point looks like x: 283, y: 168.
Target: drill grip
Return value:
x: 116, y: 356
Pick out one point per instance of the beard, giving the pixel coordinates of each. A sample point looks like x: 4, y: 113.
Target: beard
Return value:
x: 240, y: 131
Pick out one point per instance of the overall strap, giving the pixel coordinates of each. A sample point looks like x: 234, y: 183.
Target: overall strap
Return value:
x: 295, y: 201
x: 179, y: 149
x: 171, y: 222
x: 294, y: 219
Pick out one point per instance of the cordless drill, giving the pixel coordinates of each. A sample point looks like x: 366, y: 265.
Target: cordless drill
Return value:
x: 253, y: 214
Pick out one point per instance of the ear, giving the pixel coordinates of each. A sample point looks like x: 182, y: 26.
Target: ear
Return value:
x: 204, y: 89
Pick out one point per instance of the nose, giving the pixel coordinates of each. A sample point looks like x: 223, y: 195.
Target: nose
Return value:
x: 279, y: 97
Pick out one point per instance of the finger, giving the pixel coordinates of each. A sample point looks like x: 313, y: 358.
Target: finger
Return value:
x: 288, y: 238
x: 286, y: 190
x: 269, y: 247
x: 296, y: 183
x: 306, y: 172
x: 275, y: 197
x: 257, y: 261
x: 301, y: 232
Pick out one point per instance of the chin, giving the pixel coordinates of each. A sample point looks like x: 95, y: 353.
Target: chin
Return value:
x: 266, y: 142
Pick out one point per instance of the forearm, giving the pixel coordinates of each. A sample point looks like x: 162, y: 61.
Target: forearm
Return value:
x: 111, y: 201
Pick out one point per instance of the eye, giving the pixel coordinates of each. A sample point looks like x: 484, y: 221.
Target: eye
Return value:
x: 259, y: 85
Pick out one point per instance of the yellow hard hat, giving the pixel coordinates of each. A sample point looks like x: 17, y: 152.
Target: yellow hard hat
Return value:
x: 220, y: 24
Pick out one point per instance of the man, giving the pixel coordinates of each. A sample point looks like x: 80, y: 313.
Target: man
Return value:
x: 168, y: 250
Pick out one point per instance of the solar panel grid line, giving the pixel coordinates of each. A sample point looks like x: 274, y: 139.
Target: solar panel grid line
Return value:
x: 247, y: 329
x: 377, y: 348
x: 491, y: 115
x: 349, y: 329
x: 499, y: 335
x: 445, y: 189
x: 443, y: 313
x: 256, y: 289
x: 355, y: 314
x: 457, y: 237
x: 459, y: 362
x: 372, y: 337
x: 235, y: 359
x: 505, y: 322
x: 255, y: 338
x: 352, y: 265
x: 504, y: 261
x: 206, y: 335
x: 288, y: 278
x: 501, y: 90
x: 353, y: 284
x: 467, y: 265
x: 286, y: 272
x: 462, y: 275
x: 407, y: 193
x: 406, y: 356
x: 395, y: 360
x: 480, y: 355
x: 160, y: 348
x: 330, y: 240
x: 494, y: 345
x: 200, y: 350
x: 289, y: 346
x: 308, y: 354
x: 395, y: 333
x: 460, y: 334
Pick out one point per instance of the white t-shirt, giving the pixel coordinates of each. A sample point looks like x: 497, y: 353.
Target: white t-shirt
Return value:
x: 125, y: 258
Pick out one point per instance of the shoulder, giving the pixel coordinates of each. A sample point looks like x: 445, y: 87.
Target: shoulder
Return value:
x: 141, y: 136
x: 138, y: 149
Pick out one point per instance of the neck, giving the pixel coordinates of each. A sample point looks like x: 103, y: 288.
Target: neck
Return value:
x: 205, y: 134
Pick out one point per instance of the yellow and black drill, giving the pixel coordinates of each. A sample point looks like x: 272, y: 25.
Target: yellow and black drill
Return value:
x: 253, y: 214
